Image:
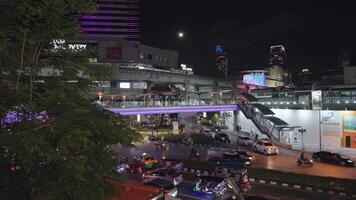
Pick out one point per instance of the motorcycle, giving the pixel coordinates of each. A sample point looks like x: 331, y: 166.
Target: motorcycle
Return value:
x: 194, y: 155
x: 306, y: 162
x: 123, y: 169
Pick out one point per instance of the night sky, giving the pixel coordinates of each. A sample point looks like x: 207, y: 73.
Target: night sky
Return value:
x: 312, y: 31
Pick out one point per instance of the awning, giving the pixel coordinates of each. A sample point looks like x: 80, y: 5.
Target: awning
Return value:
x: 263, y: 109
x: 278, y: 122
x: 249, y: 97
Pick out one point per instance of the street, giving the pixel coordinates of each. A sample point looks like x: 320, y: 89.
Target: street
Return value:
x: 285, y: 161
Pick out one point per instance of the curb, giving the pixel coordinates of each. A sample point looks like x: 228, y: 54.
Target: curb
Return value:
x: 261, y: 181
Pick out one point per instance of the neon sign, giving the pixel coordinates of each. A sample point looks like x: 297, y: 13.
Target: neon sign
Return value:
x: 255, y: 79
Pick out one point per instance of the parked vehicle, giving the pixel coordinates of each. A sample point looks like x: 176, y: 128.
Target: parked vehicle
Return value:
x: 222, y: 137
x: 146, y: 160
x: 243, y: 140
x: 332, y: 157
x: 170, y: 174
x: 306, y: 162
x: 265, y: 147
x: 167, y: 186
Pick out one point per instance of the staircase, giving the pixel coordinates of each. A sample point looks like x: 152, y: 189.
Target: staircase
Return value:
x: 246, y: 109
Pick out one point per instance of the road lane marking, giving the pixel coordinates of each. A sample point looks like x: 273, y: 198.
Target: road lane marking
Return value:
x: 270, y: 197
x: 193, y: 197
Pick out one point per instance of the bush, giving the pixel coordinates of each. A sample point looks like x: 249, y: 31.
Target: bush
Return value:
x: 303, y: 179
x: 198, y: 138
x: 172, y: 138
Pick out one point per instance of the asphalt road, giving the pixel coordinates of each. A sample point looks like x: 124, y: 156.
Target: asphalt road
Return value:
x: 285, y: 161
x: 265, y: 191
x: 258, y: 191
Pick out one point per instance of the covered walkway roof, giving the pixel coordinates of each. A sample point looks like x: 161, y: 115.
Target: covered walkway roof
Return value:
x: 249, y: 97
x: 278, y: 122
x: 264, y: 109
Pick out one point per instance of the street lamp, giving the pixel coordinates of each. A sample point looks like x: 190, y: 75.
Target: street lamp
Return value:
x: 180, y: 35
x: 302, y: 131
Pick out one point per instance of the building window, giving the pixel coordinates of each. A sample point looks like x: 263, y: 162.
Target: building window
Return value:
x: 149, y: 56
x: 141, y: 55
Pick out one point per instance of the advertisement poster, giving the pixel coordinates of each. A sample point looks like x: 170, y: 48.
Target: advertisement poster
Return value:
x: 349, y: 129
x: 316, y: 100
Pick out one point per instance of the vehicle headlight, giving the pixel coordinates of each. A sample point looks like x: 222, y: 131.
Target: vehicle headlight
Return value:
x: 349, y: 161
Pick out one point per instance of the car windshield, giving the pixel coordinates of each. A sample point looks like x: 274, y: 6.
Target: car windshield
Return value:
x: 242, y: 153
x: 339, y: 155
x: 170, y: 172
x: 166, y: 185
x: 245, y: 138
x: 268, y: 144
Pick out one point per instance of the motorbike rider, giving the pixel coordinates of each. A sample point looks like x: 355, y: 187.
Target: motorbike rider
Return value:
x: 232, y: 183
x: 193, y: 153
x: 302, y: 157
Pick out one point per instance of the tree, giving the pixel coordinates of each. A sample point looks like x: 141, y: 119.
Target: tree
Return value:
x: 54, y: 143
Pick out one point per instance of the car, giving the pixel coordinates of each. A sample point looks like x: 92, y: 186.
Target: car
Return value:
x: 332, y: 157
x: 175, y: 164
x: 234, y: 159
x: 243, y: 140
x: 206, y: 132
x: 265, y: 147
x: 245, y: 155
x: 222, y: 137
x: 170, y: 174
x: 216, y: 129
x: 167, y: 186
x: 146, y: 160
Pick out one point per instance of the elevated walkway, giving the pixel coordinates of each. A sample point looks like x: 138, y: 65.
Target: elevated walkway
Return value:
x: 173, y: 109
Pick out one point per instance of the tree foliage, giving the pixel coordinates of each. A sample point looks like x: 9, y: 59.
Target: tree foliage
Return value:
x: 70, y: 153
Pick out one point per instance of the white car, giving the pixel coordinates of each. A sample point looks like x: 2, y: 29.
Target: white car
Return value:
x: 265, y: 147
x: 167, y: 173
x: 246, y: 141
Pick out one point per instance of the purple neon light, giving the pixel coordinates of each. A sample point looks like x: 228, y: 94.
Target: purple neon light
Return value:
x: 108, y: 23
x: 175, y: 107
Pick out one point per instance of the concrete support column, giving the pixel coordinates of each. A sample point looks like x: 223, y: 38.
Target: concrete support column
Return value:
x: 235, y: 119
x: 187, y: 90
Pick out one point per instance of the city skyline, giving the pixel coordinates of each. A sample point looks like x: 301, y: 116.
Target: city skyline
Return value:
x: 312, y: 33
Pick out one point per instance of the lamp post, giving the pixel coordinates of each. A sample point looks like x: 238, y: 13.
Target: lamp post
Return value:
x: 302, y: 131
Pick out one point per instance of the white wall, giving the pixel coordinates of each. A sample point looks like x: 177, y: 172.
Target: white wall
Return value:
x: 308, y: 119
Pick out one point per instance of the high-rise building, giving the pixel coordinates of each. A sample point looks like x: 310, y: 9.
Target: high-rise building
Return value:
x: 114, y: 19
x: 221, y: 60
x: 277, y: 55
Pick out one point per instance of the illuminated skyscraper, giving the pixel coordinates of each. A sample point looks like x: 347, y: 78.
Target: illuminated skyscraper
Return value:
x: 221, y: 60
x: 114, y: 19
x: 277, y: 55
